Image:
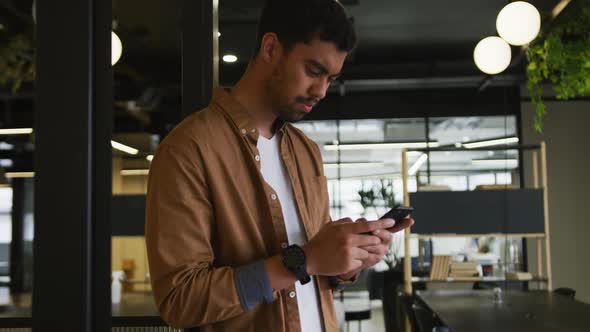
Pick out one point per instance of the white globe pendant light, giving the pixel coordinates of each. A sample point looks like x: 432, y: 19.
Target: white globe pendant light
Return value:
x: 518, y: 23
x: 116, y: 48
x: 492, y: 55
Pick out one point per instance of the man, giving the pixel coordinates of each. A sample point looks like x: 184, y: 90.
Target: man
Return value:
x: 238, y: 230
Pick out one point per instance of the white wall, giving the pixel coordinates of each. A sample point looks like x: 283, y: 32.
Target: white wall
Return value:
x: 567, y: 134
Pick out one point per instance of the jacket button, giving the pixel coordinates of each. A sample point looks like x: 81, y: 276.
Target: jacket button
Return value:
x: 284, y: 245
x: 273, y: 196
x: 291, y: 294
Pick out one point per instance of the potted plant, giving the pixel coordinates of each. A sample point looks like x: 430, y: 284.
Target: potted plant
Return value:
x: 380, y: 197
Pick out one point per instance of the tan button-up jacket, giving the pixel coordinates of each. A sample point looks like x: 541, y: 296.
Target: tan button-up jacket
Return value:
x: 209, y: 211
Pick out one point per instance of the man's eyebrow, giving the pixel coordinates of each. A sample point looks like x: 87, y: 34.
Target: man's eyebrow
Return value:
x: 321, y: 68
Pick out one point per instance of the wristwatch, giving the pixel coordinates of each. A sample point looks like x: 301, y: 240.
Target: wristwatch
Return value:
x: 293, y: 258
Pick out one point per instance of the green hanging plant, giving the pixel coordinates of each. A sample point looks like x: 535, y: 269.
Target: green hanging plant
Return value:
x: 561, y: 59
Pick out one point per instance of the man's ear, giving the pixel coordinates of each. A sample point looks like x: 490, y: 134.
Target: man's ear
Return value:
x: 270, y: 48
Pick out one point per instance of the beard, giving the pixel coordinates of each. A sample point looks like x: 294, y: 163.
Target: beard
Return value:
x: 287, y: 111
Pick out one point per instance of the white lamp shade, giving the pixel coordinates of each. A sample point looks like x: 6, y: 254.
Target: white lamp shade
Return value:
x: 116, y: 48
x: 492, y: 55
x: 518, y: 23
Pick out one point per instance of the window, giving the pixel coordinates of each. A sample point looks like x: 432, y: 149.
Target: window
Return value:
x: 5, y: 215
x: 5, y: 228
x: 356, y: 162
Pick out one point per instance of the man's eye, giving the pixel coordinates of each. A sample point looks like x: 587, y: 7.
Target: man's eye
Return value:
x: 313, y: 73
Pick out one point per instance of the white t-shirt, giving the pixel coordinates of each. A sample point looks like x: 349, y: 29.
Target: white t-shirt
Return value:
x: 275, y: 174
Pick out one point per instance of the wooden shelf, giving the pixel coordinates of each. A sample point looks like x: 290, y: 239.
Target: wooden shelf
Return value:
x: 487, y: 212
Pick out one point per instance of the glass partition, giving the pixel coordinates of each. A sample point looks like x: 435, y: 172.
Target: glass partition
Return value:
x: 362, y: 161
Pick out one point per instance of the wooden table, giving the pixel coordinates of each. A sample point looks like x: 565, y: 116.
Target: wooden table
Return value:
x: 475, y: 310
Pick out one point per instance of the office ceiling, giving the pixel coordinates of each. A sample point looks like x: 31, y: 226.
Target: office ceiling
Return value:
x: 419, y: 40
x: 398, y: 39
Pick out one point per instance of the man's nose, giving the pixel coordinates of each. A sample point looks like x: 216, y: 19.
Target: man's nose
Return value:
x: 318, y: 89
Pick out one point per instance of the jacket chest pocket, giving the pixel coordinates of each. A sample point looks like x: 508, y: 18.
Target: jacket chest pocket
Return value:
x: 317, y: 201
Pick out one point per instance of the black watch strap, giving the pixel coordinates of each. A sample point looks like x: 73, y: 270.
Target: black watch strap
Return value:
x: 293, y: 258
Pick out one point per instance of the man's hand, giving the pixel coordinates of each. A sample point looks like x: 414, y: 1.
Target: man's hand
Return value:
x: 377, y: 252
x: 401, y: 225
x: 339, y: 247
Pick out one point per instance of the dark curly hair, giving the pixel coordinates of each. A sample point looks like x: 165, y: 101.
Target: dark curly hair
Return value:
x: 296, y: 21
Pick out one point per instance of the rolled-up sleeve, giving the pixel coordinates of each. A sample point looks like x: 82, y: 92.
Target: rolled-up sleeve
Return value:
x: 189, y: 291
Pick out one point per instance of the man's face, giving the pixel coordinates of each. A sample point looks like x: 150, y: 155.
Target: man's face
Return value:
x: 301, y: 77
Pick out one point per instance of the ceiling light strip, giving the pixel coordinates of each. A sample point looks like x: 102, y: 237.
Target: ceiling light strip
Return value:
x: 16, y: 131
x: 374, y: 146
x: 492, y: 142
x: 124, y: 148
x: 15, y: 175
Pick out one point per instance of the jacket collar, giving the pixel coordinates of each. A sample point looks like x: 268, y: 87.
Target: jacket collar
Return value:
x: 239, y: 115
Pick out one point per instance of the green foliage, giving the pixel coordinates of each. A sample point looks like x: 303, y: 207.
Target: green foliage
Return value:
x: 381, y: 195
x: 561, y: 59
x: 378, y: 195
x: 367, y: 198
x: 386, y: 193
x: 17, y: 63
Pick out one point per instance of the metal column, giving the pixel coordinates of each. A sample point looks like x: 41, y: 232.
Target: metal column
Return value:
x: 200, y: 53
x: 73, y: 124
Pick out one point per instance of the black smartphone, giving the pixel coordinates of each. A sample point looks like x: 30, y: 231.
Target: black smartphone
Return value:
x: 398, y: 213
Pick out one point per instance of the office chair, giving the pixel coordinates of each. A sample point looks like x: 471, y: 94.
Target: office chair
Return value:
x: 357, y: 316
x: 565, y: 291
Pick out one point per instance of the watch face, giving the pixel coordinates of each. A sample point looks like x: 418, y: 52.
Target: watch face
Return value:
x: 294, y: 257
